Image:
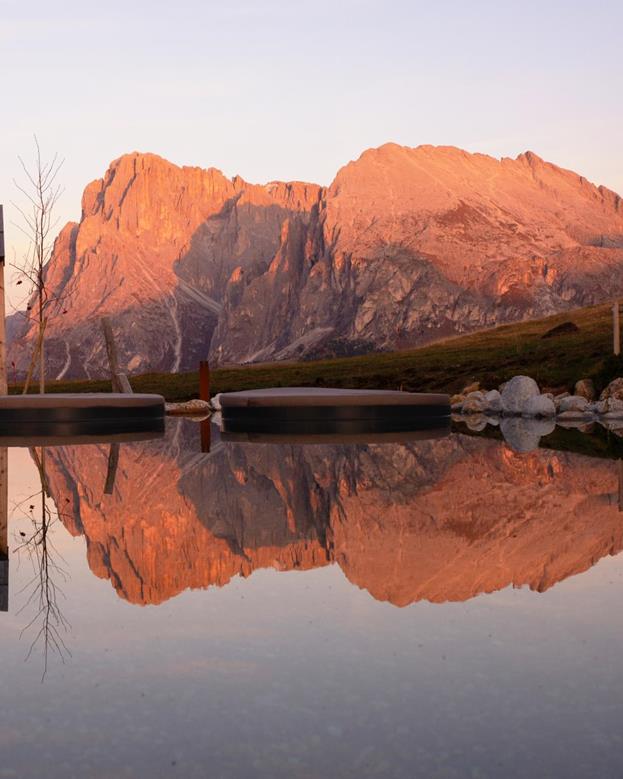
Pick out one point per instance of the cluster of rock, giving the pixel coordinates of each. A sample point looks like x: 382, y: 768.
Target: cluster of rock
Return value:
x: 194, y: 408
x: 521, y: 397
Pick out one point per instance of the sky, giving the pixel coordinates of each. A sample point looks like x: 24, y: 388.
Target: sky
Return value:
x: 283, y: 89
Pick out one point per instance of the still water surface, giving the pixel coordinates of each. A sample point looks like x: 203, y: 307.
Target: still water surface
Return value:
x: 442, y: 608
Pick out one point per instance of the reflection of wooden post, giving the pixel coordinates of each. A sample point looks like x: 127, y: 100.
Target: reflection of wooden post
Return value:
x: 206, y: 434
x: 111, y: 473
x: 620, y: 480
x: 204, y: 380
x: 616, y: 329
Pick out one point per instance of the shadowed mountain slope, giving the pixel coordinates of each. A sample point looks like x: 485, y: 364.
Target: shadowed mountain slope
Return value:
x: 405, y: 246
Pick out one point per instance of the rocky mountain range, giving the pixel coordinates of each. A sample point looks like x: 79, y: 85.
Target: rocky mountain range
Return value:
x: 437, y: 520
x: 407, y: 245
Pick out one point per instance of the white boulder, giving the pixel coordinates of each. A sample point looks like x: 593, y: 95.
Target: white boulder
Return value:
x: 539, y: 406
x: 559, y: 398
x: 563, y: 416
x: 524, y: 435
x: 493, y: 402
x: 516, y: 393
x: 573, y: 403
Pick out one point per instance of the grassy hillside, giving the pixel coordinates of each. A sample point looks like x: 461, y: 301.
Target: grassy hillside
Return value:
x: 491, y: 357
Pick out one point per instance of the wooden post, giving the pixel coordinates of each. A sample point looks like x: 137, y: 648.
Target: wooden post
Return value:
x: 123, y: 384
x: 204, y: 380
x: 616, y: 329
x: 4, y: 454
x: 111, y: 349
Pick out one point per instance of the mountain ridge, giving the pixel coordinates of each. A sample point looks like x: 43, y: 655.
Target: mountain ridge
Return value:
x: 405, y: 246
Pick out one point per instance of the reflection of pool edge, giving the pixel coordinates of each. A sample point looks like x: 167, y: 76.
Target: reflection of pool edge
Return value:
x: 439, y: 428
x: 600, y: 442
x: 71, y: 418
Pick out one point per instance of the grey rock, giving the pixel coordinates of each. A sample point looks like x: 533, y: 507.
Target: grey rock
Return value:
x: 539, y: 406
x: 585, y: 388
x: 583, y: 425
x: 573, y: 403
x: 569, y: 415
x: 493, y: 402
x: 559, y: 398
x: 524, y: 435
x: 613, y: 390
x: 609, y: 406
x: 190, y: 407
x: 614, y: 424
x: 516, y: 393
x: 476, y: 422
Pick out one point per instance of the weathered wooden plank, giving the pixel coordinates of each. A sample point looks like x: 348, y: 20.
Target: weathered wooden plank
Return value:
x: 204, y: 380
x: 111, y: 350
x: 124, y: 384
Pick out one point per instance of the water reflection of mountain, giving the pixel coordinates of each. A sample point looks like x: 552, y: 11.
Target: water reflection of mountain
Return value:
x: 439, y: 520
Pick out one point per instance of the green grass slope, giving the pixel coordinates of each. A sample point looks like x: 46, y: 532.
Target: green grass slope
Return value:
x: 490, y: 356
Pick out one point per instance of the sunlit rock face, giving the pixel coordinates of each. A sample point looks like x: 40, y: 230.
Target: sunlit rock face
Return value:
x: 440, y: 520
x: 405, y: 246
x: 154, y: 250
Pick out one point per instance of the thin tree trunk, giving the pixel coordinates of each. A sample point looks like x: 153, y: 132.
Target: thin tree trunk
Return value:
x: 33, y: 360
x: 42, y: 367
x: 41, y: 326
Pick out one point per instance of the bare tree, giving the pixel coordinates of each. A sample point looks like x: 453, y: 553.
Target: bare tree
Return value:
x: 43, y: 590
x: 42, y: 191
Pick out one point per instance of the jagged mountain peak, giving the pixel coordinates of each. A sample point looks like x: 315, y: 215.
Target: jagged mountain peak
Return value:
x: 405, y: 246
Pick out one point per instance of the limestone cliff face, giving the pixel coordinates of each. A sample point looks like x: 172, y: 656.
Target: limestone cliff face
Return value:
x: 415, y: 244
x: 407, y: 245
x: 154, y: 250
x: 441, y: 520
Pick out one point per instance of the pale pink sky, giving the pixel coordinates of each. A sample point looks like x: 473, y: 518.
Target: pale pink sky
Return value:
x: 276, y: 89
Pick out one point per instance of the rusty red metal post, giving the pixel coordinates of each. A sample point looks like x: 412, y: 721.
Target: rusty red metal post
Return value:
x: 206, y: 435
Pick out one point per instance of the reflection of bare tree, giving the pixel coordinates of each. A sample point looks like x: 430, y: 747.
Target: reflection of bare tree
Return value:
x: 44, y: 591
x: 4, y: 529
